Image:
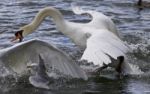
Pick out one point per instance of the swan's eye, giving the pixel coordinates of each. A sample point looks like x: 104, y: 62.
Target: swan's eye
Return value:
x: 18, y: 36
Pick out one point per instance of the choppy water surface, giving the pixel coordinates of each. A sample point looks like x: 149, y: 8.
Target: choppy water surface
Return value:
x: 132, y: 24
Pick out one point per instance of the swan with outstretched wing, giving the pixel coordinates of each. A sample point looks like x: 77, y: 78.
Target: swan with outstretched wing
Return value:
x: 17, y: 57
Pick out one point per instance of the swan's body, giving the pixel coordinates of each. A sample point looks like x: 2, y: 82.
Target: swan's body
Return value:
x: 99, y: 37
x: 17, y: 57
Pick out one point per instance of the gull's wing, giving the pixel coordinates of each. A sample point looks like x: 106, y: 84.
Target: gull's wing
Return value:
x: 41, y: 67
x: 17, y: 57
x: 101, y: 45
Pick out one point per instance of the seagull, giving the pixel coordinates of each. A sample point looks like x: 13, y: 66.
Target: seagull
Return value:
x: 99, y: 37
x: 18, y: 56
x: 39, y: 77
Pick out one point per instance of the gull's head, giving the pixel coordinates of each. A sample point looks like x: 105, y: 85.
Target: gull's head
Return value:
x: 32, y: 67
x: 22, y: 32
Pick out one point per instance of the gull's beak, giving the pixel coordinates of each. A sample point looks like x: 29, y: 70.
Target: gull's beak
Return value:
x: 18, y: 36
x: 28, y: 67
x: 88, y: 15
x: 31, y: 65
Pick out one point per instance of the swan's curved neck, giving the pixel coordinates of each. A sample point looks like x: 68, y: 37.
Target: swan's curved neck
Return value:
x: 49, y: 11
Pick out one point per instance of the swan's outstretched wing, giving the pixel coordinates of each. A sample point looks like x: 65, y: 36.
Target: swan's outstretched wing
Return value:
x: 102, y: 44
x: 16, y: 57
x: 99, y: 20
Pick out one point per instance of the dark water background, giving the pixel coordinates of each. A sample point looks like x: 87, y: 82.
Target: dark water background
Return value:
x: 134, y: 26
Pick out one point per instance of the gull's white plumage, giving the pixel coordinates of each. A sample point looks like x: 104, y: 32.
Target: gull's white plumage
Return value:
x: 17, y: 57
x: 39, y: 77
x: 99, y: 37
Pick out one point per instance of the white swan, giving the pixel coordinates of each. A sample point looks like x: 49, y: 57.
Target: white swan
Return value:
x: 99, y: 37
x: 16, y: 58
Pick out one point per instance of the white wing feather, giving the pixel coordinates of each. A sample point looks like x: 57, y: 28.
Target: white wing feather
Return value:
x: 17, y: 57
x: 99, y: 20
x: 102, y: 44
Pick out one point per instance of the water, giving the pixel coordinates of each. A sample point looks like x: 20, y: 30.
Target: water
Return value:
x: 132, y: 24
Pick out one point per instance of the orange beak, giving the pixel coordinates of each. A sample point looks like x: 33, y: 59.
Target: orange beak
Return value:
x: 18, y: 36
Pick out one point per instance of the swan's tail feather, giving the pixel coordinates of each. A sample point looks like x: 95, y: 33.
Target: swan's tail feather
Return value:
x: 98, y: 19
x: 79, y: 10
x: 76, y: 9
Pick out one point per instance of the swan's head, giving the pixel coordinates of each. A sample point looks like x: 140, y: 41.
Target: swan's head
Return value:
x: 18, y: 36
x: 22, y: 32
